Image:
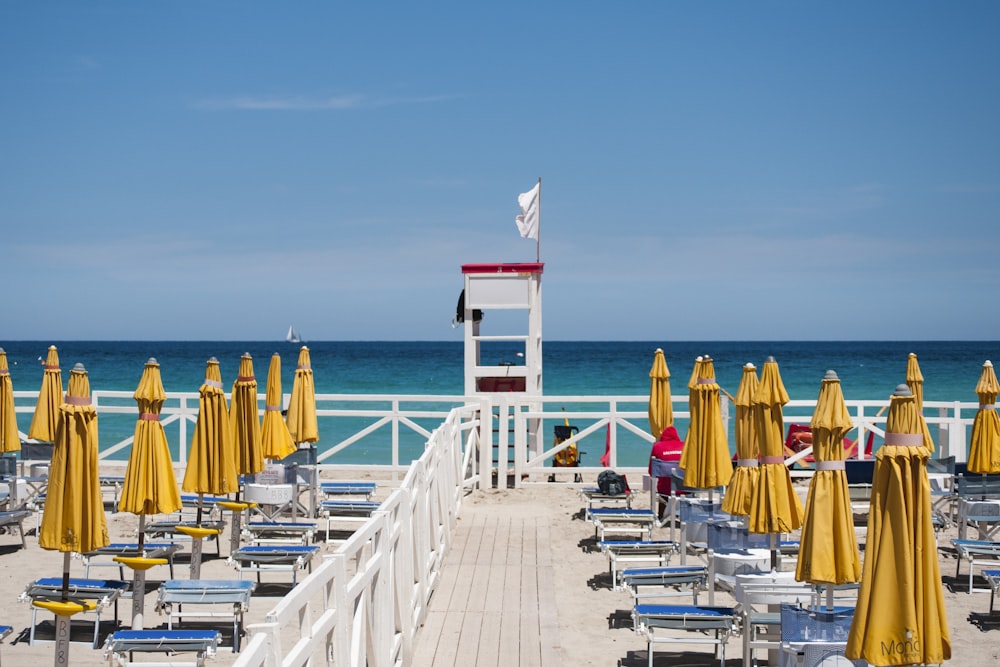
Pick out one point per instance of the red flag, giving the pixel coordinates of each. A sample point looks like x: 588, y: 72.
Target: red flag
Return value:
x: 606, y: 459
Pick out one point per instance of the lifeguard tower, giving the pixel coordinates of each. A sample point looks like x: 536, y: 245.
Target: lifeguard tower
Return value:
x: 493, y: 360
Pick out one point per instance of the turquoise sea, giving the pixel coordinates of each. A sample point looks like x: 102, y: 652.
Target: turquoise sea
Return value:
x: 868, y: 370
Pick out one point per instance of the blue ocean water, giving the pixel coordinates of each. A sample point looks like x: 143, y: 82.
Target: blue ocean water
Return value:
x: 868, y: 370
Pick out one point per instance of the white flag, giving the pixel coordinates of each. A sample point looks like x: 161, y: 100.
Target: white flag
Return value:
x: 527, y: 222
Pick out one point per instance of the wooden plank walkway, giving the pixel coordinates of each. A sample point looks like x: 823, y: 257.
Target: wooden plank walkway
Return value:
x: 495, y: 603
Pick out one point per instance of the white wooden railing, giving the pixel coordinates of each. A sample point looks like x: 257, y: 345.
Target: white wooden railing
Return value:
x: 513, y: 440
x: 362, y: 606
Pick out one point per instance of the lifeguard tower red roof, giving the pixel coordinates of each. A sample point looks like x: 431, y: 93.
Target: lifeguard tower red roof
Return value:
x: 519, y: 267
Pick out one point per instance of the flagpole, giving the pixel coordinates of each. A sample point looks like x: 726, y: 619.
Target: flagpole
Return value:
x: 538, y: 235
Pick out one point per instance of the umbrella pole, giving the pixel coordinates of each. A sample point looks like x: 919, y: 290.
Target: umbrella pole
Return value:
x: 196, y: 544
x: 829, y: 597
x: 775, y: 561
x: 63, y: 626
x: 139, y: 580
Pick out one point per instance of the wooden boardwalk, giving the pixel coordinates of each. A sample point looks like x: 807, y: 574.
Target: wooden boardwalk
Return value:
x: 496, y: 601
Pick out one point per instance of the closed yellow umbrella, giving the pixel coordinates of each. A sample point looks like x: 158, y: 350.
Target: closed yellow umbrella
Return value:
x: 43, y: 422
x: 73, y: 520
x: 301, y: 417
x: 661, y: 410
x: 828, y: 551
x: 10, y: 439
x: 747, y: 473
x: 915, y: 381
x: 150, y: 486
x: 774, y: 505
x: 984, y: 448
x: 244, y: 417
x: 276, y: 441
x: 705, y: 458
x: 900, y: 615
x: 211, y: 466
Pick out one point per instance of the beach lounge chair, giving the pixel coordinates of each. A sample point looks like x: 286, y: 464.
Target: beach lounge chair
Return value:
x: 645, y: 583
x: 638, y: 522
x: 346, y: 511
x: 96, y: 594
x: 978, y: 498
x: 993, y: 579
x: 98, y: 557
x: 814, y: 637
x: 279, y: 532
x: 120, y: 646
x: 593, y: 498
x: 695, y: 514
x: 176, y: 596
x: 4, y: 631
x: 273, y: 558
x: 168, y: 530
x: 632, y: 552
x: 758, y: 601
x: 664, y: 624
x: 347, y: 489
x: 979, y: 553
x: 14, y: 520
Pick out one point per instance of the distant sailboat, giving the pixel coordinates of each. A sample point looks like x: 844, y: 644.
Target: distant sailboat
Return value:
x: 292, y: 337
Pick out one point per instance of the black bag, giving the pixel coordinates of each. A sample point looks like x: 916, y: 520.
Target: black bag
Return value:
x: 611, y: 483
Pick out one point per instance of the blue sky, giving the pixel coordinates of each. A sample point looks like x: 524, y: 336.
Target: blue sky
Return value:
x: 710, y: 170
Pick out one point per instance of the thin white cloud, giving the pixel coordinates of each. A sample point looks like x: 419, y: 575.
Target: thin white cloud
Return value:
x: 307, y: 103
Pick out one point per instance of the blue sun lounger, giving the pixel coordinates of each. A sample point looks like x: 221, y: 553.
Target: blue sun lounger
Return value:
x: 129, y: 550
x: 346, y: 510
x: 280, y: 532
x: 978, y: 553
x: 14, y: 520
x: 4, y: 631
x: 102, y: 592
x: 622, y: 520
x: 364, y: 489
x: 654, y: 582
x: 650, y: 552
x: 175, y: 594
x: 993, y: 579
x: 271, y: 558
x: 168, y: 530
x: 658, y: 623
x: 203, y: 643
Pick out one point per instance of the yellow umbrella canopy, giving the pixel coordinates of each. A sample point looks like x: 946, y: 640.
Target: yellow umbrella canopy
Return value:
x: 828, y: 551
x: 661, y: 410
x: 900, y: 615
x: 705, y: 457
x: 150, y: 486
x: 984, y: 448
x: 774, y: 505
x: 301, y: 416
x: 915, y: 381
x: 245, y: 420
x: 43, y: 423
x: 211, y: 466
x: 74, y: 520
x: 276, y: 441
x: 737, y: 500
x: 10, y: 439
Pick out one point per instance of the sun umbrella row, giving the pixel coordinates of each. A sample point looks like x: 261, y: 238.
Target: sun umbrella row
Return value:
x: 899, y: 619
x: 228, y: 441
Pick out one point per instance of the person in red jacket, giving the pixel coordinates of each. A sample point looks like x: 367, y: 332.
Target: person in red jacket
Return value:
x: 667, y: 448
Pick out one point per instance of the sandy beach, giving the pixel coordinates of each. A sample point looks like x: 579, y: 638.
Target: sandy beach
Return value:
x: 594, y: 624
